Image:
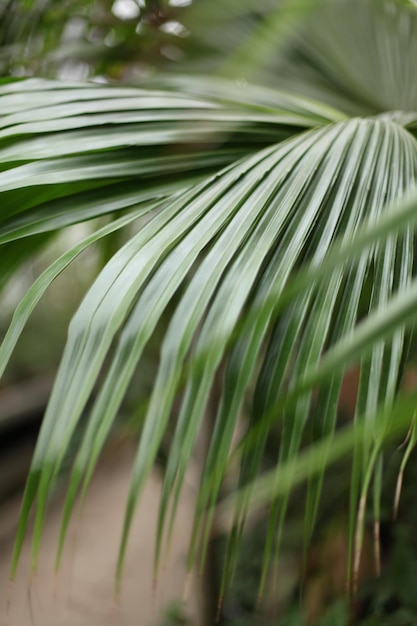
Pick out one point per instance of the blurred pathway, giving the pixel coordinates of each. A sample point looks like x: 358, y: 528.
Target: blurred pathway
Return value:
x: 82, y: 593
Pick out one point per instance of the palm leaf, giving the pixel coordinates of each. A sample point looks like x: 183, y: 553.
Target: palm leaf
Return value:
x: 255, y: 207
x: 370, y: 67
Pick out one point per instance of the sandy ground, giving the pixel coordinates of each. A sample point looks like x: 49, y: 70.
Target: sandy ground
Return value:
x: 82, y: 594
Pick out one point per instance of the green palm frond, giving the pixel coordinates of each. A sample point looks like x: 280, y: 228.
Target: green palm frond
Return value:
x: 370, y: 66
x: 269, y: 231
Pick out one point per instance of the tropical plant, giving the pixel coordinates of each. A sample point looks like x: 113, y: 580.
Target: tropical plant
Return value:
x: 270, y: 244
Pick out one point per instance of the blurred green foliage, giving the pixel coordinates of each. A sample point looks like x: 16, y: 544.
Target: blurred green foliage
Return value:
x: 88, y: 38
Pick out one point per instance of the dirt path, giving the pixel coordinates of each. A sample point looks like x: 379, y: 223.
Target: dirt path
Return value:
x: 82, y: 593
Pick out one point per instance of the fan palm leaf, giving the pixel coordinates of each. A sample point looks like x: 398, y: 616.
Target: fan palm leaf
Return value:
x: 261, y: 219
